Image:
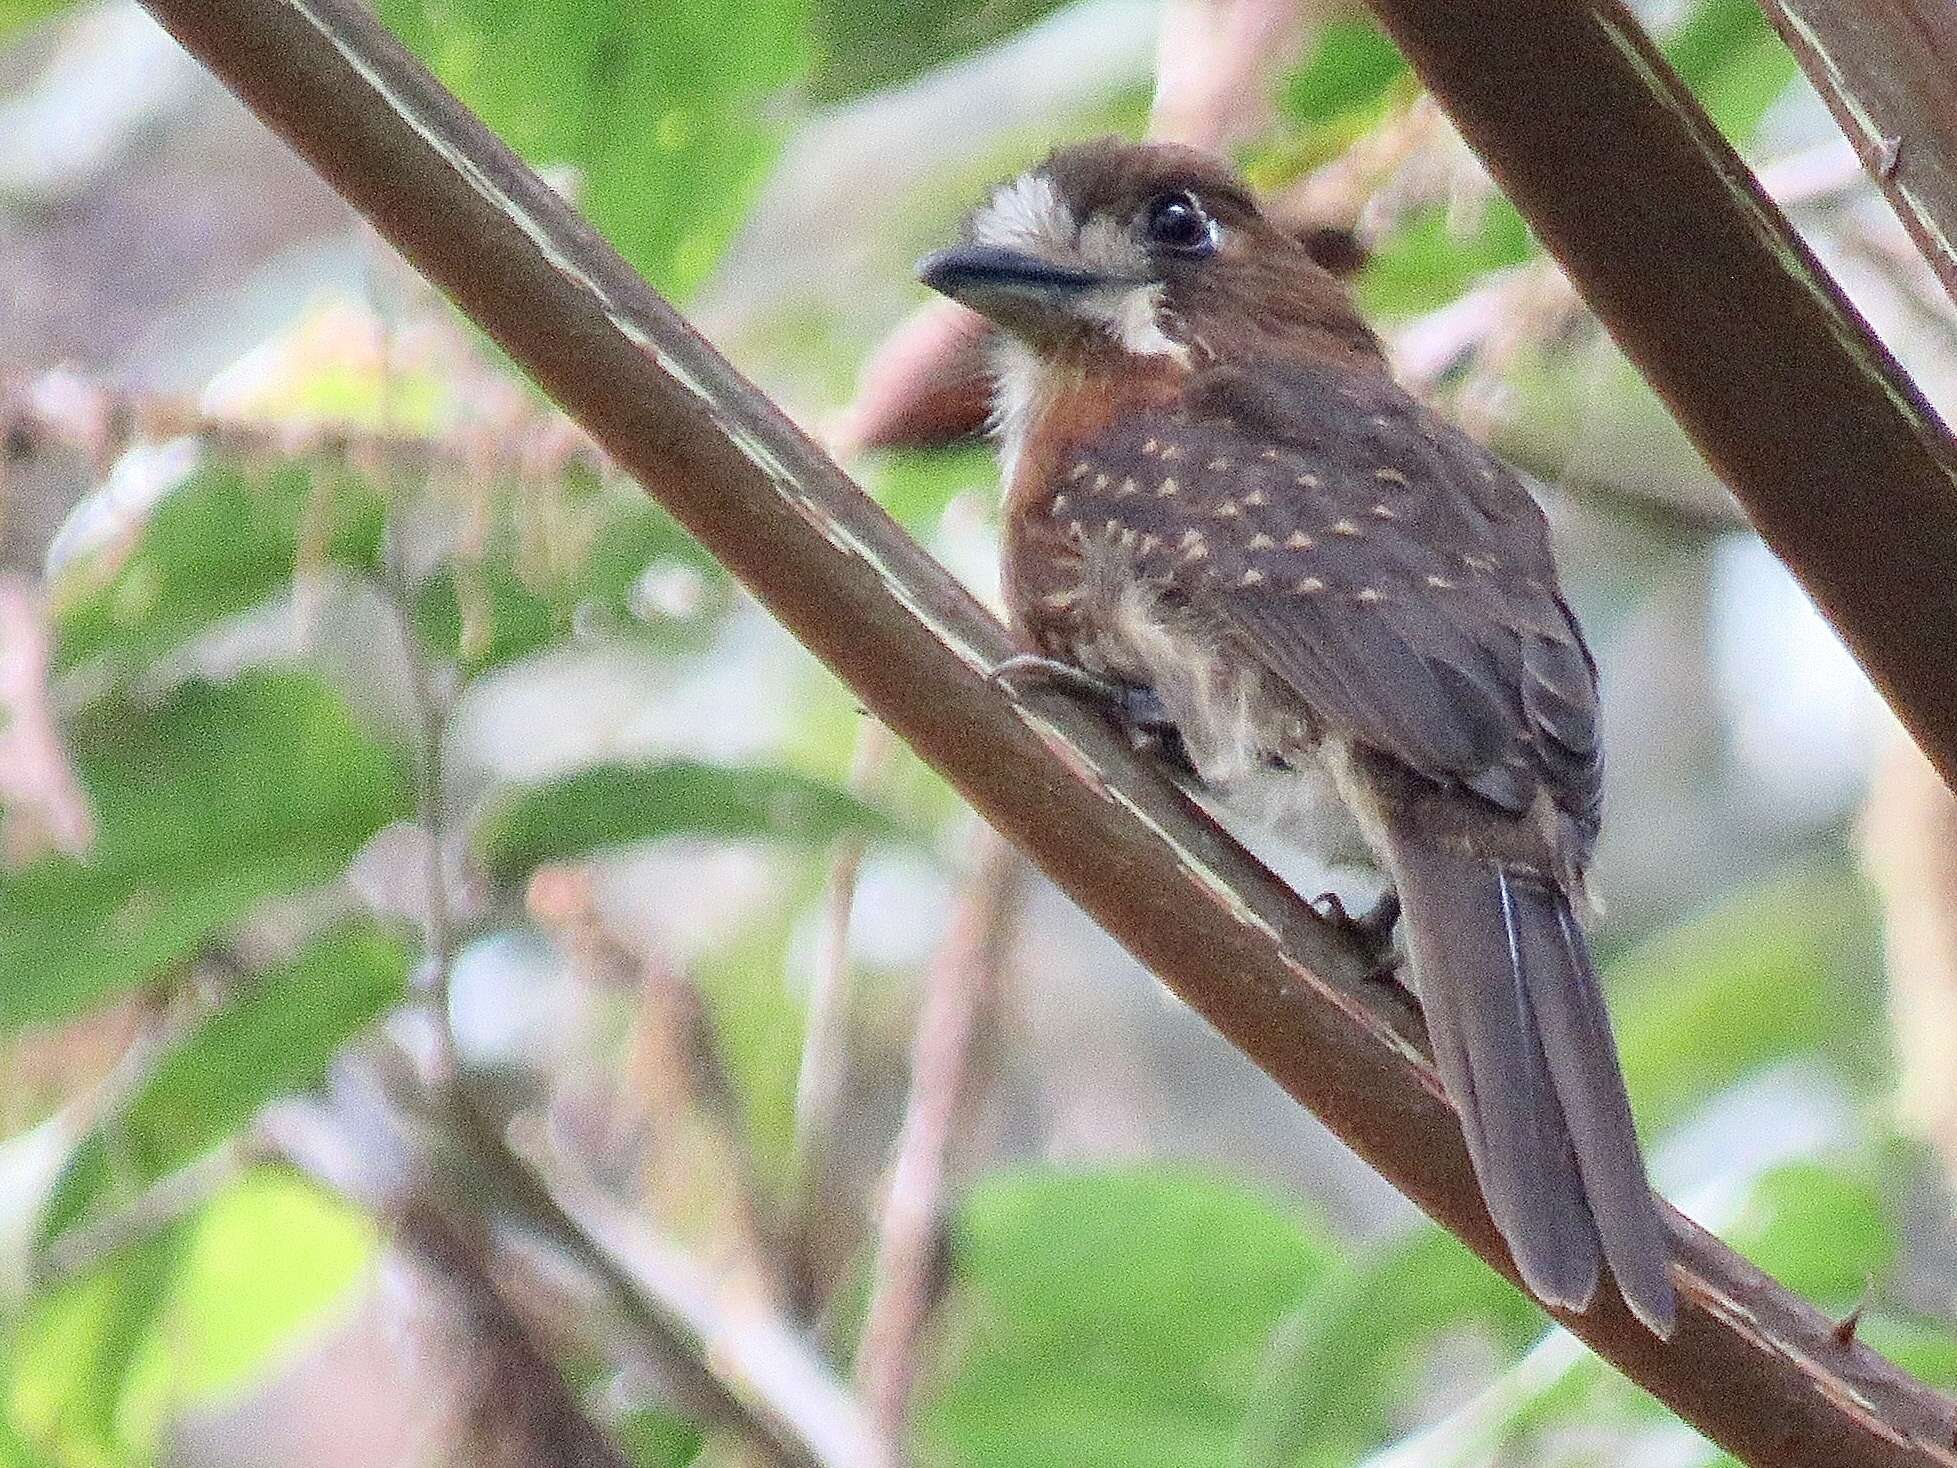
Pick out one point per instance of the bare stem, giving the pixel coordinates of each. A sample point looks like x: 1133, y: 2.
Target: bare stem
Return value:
x: 961, y: 978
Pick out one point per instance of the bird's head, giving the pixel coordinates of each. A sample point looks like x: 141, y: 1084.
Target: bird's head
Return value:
x: 1112, y: 250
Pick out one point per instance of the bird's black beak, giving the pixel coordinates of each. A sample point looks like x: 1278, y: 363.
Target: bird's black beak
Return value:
x: 1004, y: 283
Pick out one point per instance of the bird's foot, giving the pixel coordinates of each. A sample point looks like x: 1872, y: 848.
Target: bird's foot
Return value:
x: 1139, y: 709
x: 1372, y: 930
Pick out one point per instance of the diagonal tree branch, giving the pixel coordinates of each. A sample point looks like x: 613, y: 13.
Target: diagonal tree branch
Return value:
x: 1754, y: 1367
x: 1884, y: 68
x: 1828, y: 445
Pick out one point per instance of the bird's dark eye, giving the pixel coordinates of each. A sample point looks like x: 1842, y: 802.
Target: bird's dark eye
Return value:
x: 1177, y: 222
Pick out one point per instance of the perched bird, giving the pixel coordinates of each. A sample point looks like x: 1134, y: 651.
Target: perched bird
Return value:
x: 1223, y: 515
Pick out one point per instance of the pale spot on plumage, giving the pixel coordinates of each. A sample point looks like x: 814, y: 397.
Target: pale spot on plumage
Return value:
x: 1309, y: 481
x: 1252, y: 577
x: 1129, y: 536
x: 1309, y: 585
x: 1150, y: 542
x: 1483, y: 564
x: 1080, y: 470
x: 1218, y: 465
x: 1059, y: 601
x: 1149, y: 448
x: 1261, y: 541
x: 1346, y: 527
x: 1165, y: 489
x: 1226, y: 510
x: 1369, y: 593
x: 1196, y: 552
x: 1060, y: 502
x: 1269, y: 456
x: 1101, y: 482
x: 1126, y: 488
x: 1171, y: 452
x: 1386, y: 512
x: 1257, y: 497
x: 1440, y: 583
x: 1298, y: 540
x: 1191, y: 537
x: 1391, y: 476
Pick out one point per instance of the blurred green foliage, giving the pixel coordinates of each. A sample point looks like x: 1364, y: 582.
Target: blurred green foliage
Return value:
x: 615, y: 805
x: 1120, y: 1317
x: 220, y: 544
x: 670, y: 114
x: 277, y: 1036
x: 207, y: 803
x: 1114, y: 1320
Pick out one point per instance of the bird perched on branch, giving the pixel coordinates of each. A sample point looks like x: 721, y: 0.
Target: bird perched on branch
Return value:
x: 1224, y: 518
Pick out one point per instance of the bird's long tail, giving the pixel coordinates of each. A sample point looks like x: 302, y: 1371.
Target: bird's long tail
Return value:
x: 1524, y: 1046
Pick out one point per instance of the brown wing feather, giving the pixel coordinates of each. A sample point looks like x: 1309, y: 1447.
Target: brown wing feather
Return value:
x: 1377, y: 560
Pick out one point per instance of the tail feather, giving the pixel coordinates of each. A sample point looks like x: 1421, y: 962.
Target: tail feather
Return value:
x: 1523, y: 1043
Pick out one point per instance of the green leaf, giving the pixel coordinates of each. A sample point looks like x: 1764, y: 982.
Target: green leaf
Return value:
x: 265, y: 1259
x: 916, y: 486
x: 1821, y: 1232
x: 275, y: 1037
x: 1349, y: 1360
x: 96, y: 1365
x: 1781, y: 969
x: 868, y: 45
x: 1424, y: 265
x: 1112, y: 1319
x: 1926, y: 1349
x: 17, y: 15
x: 76, y: 1355
x: 672, y: 111
x: 1352, y: 68
x: 222, y: 796
x: 653, y: 1439
x: 509, y: 602
x: 616, y: 804
x: 219, y: 544
x: 1728, y: 53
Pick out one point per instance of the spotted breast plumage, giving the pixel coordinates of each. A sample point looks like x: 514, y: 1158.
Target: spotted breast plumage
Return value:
x: 1221, y: 506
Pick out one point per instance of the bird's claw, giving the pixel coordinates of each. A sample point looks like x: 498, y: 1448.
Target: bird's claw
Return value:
x: 1030, y: 670
x: 1372, y: 930
x: 1138, y: 708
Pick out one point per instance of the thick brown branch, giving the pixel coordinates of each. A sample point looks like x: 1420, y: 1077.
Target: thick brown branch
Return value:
x: 1757, y: 1369
x: 1884, y: 68
x: 1825, y: 441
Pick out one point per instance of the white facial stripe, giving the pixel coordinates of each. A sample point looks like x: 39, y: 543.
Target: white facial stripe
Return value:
x: 1133, y: 314
x: 1026, y: 214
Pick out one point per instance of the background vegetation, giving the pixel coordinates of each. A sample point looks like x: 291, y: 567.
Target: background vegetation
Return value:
x: 339, y: 675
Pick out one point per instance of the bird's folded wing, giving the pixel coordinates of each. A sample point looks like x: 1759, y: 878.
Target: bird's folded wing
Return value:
x: 1385, y: 566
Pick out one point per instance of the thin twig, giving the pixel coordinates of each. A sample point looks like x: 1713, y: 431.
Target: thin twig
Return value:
x: 825, y: 1041
x: 677, y: 1082
x: 171, y: 1198
x: 784, y: 1399
x: 960, y: 980
x: 511, y: 1406
x: 1777, y: 379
